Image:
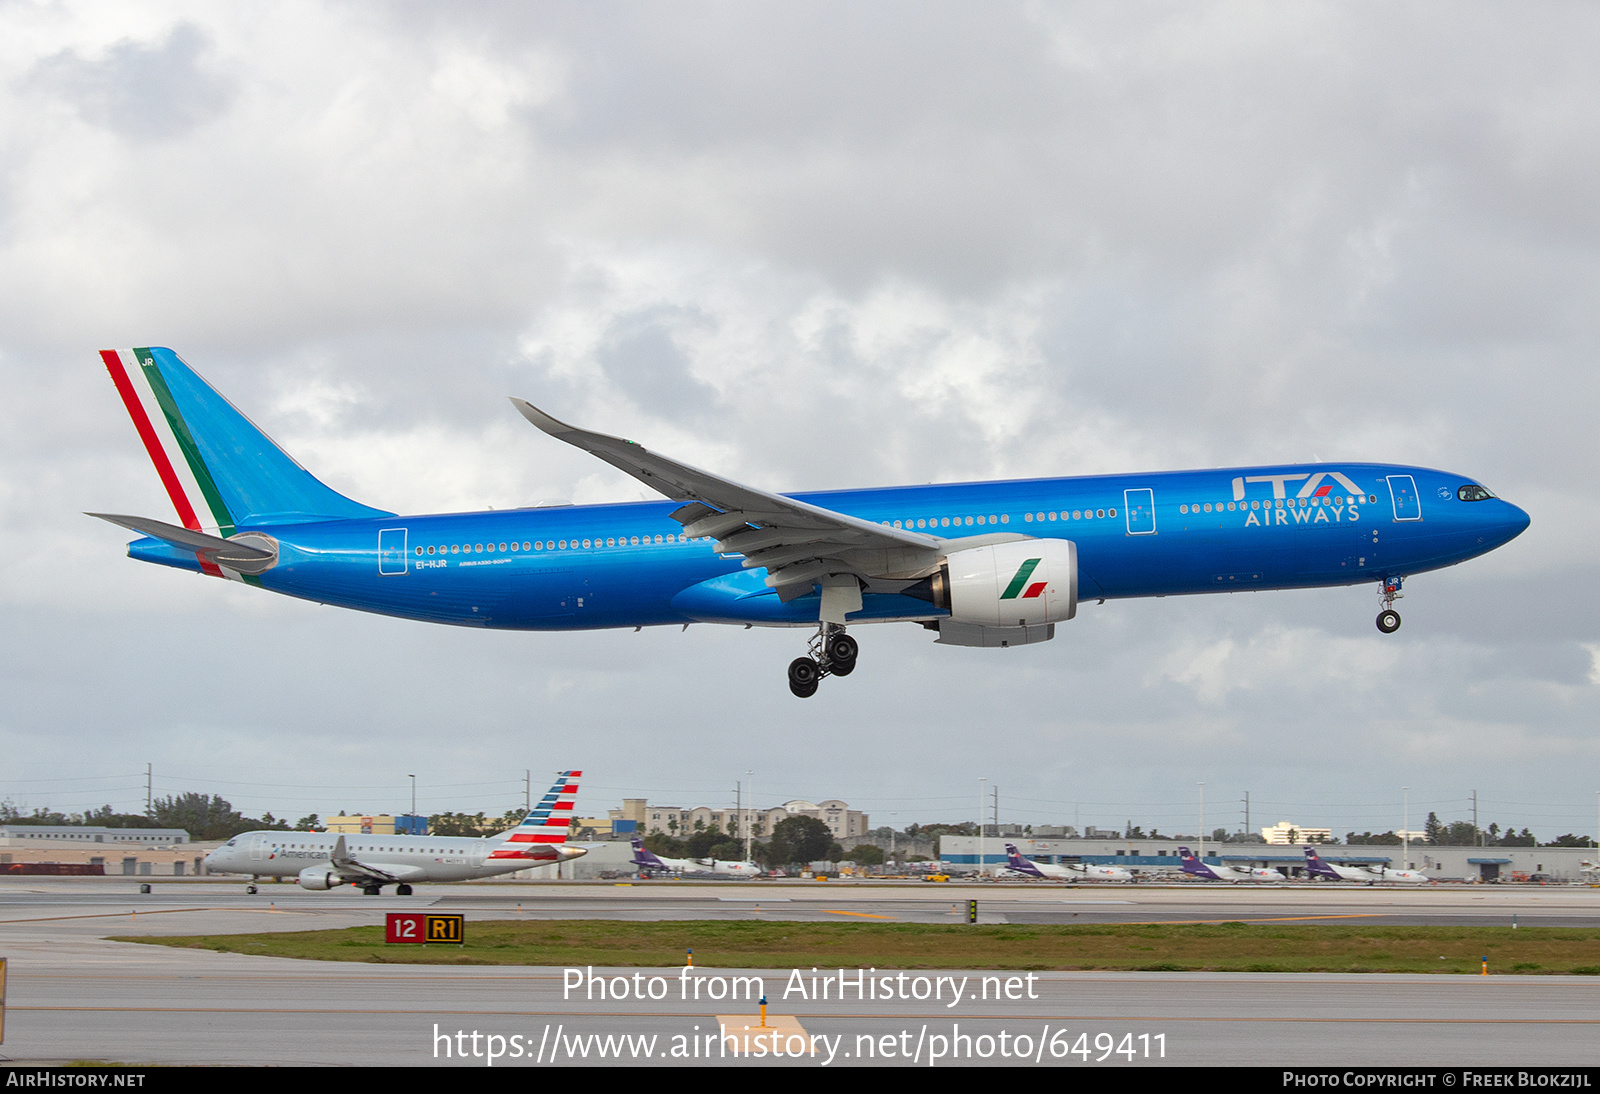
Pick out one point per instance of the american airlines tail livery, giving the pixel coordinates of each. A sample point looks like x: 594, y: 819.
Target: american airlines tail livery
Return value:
x: 325, y: 860
x: 991, y: 564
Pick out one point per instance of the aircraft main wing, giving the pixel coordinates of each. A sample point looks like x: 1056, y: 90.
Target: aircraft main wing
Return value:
x: 798, y: 544
x: 352, y: 870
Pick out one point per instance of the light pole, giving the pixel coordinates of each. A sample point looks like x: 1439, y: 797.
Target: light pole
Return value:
x: 1405, y: 830
x: 413, y: 779
x: 1202, y: 855
x: 750, y: 819
x: 981, y: 781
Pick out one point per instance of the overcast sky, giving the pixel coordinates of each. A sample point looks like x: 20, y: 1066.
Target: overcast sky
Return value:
x: 811, y: 246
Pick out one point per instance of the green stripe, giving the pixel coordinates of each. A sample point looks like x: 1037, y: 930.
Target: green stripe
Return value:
x: 1025, y: 572
x: 191, y: 452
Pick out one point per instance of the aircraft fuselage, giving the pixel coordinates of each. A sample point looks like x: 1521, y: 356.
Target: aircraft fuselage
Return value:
x: 1137, y: 535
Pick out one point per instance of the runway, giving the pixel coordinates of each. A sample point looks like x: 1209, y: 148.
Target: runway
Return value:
x: 74, y: 996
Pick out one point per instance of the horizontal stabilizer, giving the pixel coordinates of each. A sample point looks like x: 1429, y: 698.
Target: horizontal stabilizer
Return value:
x: 242, y: 557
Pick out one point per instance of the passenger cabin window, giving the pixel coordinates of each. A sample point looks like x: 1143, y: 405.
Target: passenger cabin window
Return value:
x: 1473, y: 492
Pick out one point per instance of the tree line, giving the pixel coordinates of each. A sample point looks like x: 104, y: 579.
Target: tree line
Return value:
x: 795, y: 841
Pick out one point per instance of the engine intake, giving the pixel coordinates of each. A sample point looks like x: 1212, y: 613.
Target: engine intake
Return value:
x: 1004, y: 594
x: 318, y: 879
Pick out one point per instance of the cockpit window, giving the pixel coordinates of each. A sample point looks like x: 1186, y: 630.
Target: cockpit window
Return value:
x: 1473, y: 492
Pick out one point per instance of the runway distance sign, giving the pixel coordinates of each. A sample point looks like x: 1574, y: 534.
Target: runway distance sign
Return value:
x: 425, y: 927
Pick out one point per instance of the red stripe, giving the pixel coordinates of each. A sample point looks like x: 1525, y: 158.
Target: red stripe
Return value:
x: 519, y: 837
x: 152, y: 445
x: 1034, y: 590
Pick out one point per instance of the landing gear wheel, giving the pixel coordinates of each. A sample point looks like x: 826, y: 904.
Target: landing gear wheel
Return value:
x: 251, y: 889
x: 804, y: 675
x: 842, y: 651
x: 1388, y: 621
x: 373, y: 890
x: 402, y: 890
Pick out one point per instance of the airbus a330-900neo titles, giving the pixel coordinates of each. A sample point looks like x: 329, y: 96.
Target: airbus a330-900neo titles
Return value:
x: 981, y: 564
x: 326, y: 860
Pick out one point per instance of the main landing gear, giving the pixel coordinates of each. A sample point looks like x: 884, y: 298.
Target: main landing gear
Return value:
x: 833, y: 653
x: 1388, y: 593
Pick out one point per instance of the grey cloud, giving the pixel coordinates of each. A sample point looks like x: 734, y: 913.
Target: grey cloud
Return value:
x: 142, y: 91
x: 836, y: 246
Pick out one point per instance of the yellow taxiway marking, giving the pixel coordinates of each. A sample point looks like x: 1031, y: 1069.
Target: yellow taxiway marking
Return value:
x: 861, y: 915
x: 781, y: 1026
x: 1246, y: 922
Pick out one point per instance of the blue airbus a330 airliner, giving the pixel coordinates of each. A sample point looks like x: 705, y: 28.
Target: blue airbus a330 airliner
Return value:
x: 980, y: 564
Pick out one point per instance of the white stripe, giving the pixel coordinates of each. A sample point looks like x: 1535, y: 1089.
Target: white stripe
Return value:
x: 169, y: 442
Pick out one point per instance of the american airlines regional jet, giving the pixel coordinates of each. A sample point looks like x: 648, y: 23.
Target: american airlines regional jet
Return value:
x: 325, y: 860
x: 991, y: 564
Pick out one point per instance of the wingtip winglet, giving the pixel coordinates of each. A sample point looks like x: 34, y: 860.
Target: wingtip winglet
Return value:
x: 539, y: 418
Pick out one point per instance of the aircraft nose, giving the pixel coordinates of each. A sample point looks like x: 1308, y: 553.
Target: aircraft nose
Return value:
x: 1512, y: 523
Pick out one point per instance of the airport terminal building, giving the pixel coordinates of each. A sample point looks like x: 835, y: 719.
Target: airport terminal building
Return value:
x: 959, y: 854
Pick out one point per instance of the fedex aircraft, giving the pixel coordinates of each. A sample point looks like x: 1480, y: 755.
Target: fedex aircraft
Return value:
x: 323, y: 860
x: 646, y: 859
x: 1067, y: 871
x: 990, y: 564
x: 1205, y: 872
x: 1316, y: 868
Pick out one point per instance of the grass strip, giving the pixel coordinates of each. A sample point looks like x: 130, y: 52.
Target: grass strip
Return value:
x: 1224, y: 947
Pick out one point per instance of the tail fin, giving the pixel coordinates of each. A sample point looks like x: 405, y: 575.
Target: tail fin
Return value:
x: 543, y: 832
x: 219, y: 469
x: 643, y: 856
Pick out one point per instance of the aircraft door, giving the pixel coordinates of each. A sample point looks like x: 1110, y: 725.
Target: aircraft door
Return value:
x: 392, y: 551
x: 1403, y: 489
x: 1140, y: 506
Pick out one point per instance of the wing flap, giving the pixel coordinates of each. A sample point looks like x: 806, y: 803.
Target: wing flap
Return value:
x: 797, y: 543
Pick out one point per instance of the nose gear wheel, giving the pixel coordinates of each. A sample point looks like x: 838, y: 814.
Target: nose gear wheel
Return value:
x: 1388, y: 593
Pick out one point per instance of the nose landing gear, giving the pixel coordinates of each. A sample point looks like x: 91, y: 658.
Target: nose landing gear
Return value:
x: 833, y: 653
x: 1388, y: 593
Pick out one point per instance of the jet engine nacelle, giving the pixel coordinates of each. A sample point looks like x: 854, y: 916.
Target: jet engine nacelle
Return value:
x: 1007, y: 594
x: 318, y: 878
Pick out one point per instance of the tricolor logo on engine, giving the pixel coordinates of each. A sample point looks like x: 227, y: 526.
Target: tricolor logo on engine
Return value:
x: 1020, y: 580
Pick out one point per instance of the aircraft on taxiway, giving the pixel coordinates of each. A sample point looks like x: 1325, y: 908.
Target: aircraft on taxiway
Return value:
x: 1066, y: 871
x: 1317, y: 868
x: 647, y: 860
x: 980, y: 564
x: 326, y: 860
x: 1206, y: 872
